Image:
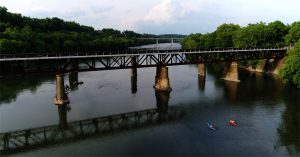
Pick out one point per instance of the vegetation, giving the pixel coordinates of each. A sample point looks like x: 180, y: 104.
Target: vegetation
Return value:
x: 19, y: 34
x: 274, y: 34
x: 251, y: 36
x: 290, y: 72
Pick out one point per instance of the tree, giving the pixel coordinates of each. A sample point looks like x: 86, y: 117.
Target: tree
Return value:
x: 224, y: 35
x: 294, y: 34
x: 252, y: 36
x: 276, y: 31
x: 290, y: 72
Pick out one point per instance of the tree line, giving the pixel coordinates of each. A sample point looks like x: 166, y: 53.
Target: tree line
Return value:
x: 20, y: 34
x: 259, y: 35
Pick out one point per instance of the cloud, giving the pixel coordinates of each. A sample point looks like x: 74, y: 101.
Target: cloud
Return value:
x: 166, y: 12
x: 159, y: 16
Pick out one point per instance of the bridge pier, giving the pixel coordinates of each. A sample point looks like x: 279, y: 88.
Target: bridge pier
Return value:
x: 202, y: 70
x: 61, y: 96
x: 232, y: 72
x: 278, y: 66
x: 162, y: 82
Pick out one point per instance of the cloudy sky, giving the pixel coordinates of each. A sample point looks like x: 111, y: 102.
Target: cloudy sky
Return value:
x: 159, y: 16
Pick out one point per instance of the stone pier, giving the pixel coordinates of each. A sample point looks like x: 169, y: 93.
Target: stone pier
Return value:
x: 61, y: 96
x: 232, y: 73
x: 202, y: 70
x: 162, y: 82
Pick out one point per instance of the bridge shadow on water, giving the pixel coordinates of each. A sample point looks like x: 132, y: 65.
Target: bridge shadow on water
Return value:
x: 66, y: 132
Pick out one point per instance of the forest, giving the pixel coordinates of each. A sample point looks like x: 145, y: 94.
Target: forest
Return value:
x: 259, y: 35
x: 21, y: 34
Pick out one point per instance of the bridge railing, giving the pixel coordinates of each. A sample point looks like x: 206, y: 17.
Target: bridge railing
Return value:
x: 131, y: 52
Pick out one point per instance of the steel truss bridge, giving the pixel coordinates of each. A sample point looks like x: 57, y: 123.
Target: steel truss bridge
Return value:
x: 35, y: 63
x: 10, y: 142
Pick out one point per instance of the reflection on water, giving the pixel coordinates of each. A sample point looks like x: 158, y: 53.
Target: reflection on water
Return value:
x: 201, y: 82
x: 267, y: 111
x: 11, y: 87
x: 230, y: 91
x: 133, y: 80
x: 289, y: 129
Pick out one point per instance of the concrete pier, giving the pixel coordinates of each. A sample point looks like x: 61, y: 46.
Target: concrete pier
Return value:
x: 232, y: 73
x: 202, y: 70
x: 263, y: 66
x: 133, y: 80
x: 162, y: 82
x: 61, y: 97
x: 278, y: 66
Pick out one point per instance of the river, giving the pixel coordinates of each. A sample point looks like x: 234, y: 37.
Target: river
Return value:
x: 266, y: 112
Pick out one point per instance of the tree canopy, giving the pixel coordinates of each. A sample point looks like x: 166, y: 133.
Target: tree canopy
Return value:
x: 291, y: 69
x: 20, y: 34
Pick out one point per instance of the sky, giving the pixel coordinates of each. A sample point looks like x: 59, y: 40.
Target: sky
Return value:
x: 159, y: 16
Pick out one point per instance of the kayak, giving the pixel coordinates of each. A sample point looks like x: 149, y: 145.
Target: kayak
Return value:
x: 232, y: 123
x: 211, y: 126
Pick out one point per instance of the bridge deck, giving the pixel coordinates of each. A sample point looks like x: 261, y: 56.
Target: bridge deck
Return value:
x: 43, y: 56
x: 32, y: 63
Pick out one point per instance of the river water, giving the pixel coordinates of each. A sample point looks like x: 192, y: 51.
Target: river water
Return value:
x: 266, y: 112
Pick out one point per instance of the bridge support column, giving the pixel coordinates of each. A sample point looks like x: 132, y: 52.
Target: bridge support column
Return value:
x: 162, y: 82
x: 202, y: 70
x: 232, y: 73
x: 278, y: 66
x: 61, y: 97
x: 262, y: 67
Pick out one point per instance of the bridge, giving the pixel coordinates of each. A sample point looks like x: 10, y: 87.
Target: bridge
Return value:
x: 73, y: 63
x: 78, y: 62
x: 33, y: 63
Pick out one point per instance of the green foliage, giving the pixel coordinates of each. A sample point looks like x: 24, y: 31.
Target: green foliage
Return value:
x: 290, y: 72
x: 294, y: 33
x: 19, y: 34
x: 224, y: 35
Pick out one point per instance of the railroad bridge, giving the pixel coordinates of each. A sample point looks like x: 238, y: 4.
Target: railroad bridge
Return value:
x: 73, y: 63
x: 77, y: 62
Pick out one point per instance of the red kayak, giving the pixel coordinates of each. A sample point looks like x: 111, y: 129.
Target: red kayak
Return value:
x: 232, y: 123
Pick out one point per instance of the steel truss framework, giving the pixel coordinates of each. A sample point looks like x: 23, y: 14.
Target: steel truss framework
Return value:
x: 135, y: 59
x: 11, y: 142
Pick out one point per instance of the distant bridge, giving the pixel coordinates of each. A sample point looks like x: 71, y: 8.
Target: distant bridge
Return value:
x: 35, y: 63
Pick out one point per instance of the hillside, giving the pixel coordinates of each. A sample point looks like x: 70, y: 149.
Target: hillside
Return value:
x: 21, y: 34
